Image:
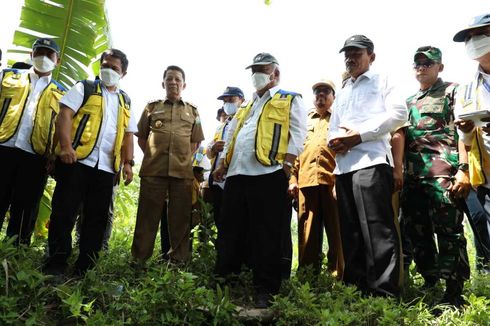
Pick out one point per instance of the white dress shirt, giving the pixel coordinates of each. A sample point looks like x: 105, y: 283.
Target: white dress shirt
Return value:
x: 104, y: 148
x: 244, y: 161
x: 467, y: 138
x: 22, y: 137
x: 371, y: 106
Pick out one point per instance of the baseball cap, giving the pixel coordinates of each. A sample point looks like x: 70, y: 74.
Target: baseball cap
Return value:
x: 432, y: 53
x: 358, y: 41
x: 46, y: 43
x: 324, y: 82
x: 231, y: 91
x: 263, y: 58
x: 478, y: 21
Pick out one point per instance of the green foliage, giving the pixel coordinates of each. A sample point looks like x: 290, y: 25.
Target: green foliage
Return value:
x: 114, y: 293
x: 80, y: 27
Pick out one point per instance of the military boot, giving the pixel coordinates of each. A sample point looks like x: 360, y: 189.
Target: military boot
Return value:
x: 454, y: 293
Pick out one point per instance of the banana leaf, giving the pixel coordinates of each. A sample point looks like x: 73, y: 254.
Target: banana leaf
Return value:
x: 80, y: 27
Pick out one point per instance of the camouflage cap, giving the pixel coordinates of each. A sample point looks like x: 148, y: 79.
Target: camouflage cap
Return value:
x: 431, y: 52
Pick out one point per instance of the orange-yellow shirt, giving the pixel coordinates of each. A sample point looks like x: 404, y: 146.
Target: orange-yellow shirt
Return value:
x: 314, y: 166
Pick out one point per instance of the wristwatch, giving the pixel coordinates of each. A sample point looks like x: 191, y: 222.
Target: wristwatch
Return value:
x: 465, y: 167
x: 288, y: 164
x: 130, y: 162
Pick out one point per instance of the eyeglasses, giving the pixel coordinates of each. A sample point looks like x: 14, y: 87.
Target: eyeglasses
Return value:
x: 325, y: 90
x: 425, y: 64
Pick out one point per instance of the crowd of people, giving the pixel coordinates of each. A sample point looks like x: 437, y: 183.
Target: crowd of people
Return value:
x: 381, y: 175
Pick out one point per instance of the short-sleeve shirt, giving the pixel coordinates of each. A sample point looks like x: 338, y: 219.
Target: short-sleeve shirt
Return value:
x: 169, y: 128
x: 431, y: 138
x: 102, y: 155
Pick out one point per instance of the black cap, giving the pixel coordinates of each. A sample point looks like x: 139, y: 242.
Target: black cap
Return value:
x: 231, y: 91
x: 358, y: 41
x: 478, y: 21
x: 263, y: 59
x: 46, y: 43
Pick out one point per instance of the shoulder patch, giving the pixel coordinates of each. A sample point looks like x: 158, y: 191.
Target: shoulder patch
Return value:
x: 191, y: 105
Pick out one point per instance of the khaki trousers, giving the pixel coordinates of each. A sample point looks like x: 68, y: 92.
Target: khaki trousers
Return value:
x: 318, y: 210
x: 153, y: 193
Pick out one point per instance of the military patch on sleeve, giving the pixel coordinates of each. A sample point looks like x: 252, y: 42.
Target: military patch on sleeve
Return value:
x: 198, y: 120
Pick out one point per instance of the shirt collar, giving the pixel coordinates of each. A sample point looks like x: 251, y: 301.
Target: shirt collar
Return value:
x: 35, y: 77
x: 439, y: 83
x: 483, y: 74
x: 272, y: 91
x: 169, y: 101
x: 368, y: 74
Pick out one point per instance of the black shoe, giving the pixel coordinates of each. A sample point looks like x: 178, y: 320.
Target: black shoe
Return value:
x: 54, y: 269
x: 263, y: 300
x: 430, y: 282
x: 453, y: 294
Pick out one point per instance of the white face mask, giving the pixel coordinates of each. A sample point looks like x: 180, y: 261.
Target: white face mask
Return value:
x: 477, y: 46
x: 230, y: 108
x: 43, y: 64
x: 109, y: 77
x: 260, y: 80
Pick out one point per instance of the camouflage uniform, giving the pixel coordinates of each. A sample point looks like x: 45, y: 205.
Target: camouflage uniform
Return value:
x: 431, y: 161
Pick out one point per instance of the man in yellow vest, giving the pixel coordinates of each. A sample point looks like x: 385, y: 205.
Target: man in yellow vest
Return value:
x: 475, y: 97
x: 28, y: 108
x: 95, y: 129
x: 169, y: 132
x: 263, y: 141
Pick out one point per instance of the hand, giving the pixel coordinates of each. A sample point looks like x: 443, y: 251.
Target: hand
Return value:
x: 343, y: 144
x: 486, y: 129
x: 465, y: 126
x: 68, y: 155
x: 219, y: 173
x: 461, y: 185
x: 127, y: 173
x: 218, y: 146
x: 50, y: 164
x: 287, y: 170
x: 397, y: 178
x: 293, y: 190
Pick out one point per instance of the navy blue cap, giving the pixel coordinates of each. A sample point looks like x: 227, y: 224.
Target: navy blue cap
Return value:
x: 46, y: 43
x: 231, y: 91
x: 478, y: 21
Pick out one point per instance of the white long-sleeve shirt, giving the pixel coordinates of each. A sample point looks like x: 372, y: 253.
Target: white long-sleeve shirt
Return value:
x: 244, y: 161
x: 371, y: 106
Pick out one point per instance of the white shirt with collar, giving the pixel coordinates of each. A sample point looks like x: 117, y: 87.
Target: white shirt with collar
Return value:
x: 467, y: 138
x: 103, y: 150
x: 244, y: 160
x: 371, y: 106
x: 22, y: 137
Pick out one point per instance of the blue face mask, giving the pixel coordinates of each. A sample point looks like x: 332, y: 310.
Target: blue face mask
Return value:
x: 230, y: 108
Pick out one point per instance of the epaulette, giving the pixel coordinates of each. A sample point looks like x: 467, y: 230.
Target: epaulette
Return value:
x: 312, y: 112
x: 151, y: 104
x: 192, y: 105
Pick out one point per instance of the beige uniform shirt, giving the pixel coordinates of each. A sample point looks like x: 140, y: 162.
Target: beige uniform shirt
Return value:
x: 315, y: 165
x: 169, y: 128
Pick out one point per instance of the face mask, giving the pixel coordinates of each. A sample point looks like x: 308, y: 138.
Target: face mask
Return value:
x: 230, y: 108
x: 477, y: 46
x: 109, y: 77
x: 260, y: 80
x: 43, y: 64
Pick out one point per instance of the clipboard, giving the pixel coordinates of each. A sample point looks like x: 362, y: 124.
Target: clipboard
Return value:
x: 481, y: 117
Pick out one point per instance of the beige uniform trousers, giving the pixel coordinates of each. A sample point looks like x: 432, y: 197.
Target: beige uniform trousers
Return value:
x: 318, y: 210
x: 153, y: 193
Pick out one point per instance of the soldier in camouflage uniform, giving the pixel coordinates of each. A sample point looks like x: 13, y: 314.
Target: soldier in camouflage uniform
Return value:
x: 435, y: 180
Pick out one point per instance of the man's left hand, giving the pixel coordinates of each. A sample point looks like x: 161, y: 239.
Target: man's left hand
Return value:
x: 461, y: 186
x: 343, y: 144
x: 127, y: 173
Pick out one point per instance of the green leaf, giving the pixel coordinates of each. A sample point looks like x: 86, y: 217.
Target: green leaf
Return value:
x: 80, y: 27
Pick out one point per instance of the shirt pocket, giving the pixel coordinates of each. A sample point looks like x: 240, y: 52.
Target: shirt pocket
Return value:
x: 158, y: 122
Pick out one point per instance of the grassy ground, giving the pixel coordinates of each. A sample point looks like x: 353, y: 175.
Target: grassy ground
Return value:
x: 162, y: 294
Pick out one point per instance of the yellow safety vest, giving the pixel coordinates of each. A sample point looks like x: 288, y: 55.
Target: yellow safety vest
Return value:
x: 13, y: 99
x: 272, y: 135
x: 478, y: 158
x: 87, y: 122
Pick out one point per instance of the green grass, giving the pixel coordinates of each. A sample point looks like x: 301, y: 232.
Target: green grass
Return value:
x: 116, y: 294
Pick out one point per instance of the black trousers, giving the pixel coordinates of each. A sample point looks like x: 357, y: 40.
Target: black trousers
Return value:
x: 257, y: 204
x: 369, y: 237
x: 79, y: 185
x: 24, y: 179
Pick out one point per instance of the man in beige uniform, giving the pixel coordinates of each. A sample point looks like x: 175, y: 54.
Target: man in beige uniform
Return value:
x: 169, y: 132
x: 312, y: 183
